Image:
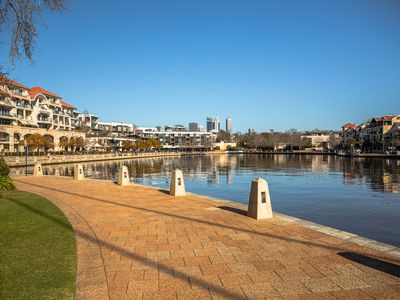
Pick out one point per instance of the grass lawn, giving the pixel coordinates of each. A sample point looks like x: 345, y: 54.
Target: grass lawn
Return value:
x: 37, y: 249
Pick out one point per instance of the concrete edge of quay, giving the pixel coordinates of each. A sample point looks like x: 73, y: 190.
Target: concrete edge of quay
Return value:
x: 76, y: 159
x: 330, y: 231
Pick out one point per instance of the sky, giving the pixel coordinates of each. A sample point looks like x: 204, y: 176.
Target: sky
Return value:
x: 266, y: 64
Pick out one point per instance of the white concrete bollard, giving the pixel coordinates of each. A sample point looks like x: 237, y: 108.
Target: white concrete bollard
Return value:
x: 78, y: 172
x: 37, y: 170
x: 259, y: 200
x: 177, y: 187
x: 123, y: 176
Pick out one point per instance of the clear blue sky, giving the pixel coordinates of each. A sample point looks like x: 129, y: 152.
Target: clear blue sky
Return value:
x: 267, y: 64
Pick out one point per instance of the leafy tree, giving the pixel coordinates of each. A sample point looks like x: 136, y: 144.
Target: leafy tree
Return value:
x: 71, y: 143
x: 64, y: 142
x: 79, y: 143
x: 154, y: 143
x: 34, y: 141
x: 47, y: 142
x: 6, y: 182
x: 4, y: 168
x: 306, y: 142
x: 128, y: 145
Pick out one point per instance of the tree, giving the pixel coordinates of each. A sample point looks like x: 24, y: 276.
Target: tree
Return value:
x: 223, y: 136
x: 154, y: 143
x: 19, y: 16
x: 79, y: 143
x: 333, y: 141
x: 71, y: 143
x: 143, y: 144
x: 306, y: 142
x: 47, y: 142
x: 34, y: 141
x: 64, y: 142
x: 128, y: 145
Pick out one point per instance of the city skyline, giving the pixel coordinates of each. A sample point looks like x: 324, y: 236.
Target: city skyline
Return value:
x: 287, y: 60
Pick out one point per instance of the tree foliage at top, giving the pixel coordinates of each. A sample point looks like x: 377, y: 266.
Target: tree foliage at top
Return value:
x: 19, y: 17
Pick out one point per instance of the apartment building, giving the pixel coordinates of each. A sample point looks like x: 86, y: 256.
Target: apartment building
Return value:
x: 87, y: 122
x: 321, y: 139
x: 25, y: 111
x: 116, y: 128
x: 377, y: 134
x: 178, y: 138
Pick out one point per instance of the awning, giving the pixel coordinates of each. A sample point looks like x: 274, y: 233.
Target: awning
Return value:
x: 24, y: 122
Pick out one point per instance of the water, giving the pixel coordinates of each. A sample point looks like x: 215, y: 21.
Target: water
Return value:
x: 360, y: 195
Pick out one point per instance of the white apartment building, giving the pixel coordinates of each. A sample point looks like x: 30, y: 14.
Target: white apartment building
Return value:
x: 178, y: 138
x: 117, y: 128
x: 24, y: 111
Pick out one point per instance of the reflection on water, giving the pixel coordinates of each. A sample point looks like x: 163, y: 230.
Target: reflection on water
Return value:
x: 357, y: 195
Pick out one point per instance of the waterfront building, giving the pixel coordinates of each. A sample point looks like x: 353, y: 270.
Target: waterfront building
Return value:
x: 112, y: 143
x: 87, y: 121
x: 213, y: 124
x: 320, y: 139
x: 228, y: 125
x: 377, y: 134
x: 116, y: 128
x: 175, y: 128
x: 25, y: 111
x: 179, y: 139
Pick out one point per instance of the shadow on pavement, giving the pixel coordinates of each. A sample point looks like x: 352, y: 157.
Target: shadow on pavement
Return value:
x: 373, y: 263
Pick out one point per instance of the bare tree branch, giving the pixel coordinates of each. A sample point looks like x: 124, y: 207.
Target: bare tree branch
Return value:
x: 19, y: 16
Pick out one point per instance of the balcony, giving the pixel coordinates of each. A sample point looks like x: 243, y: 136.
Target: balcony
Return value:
x: 44, y: 111
x: 6, y: 103
x: 26, y: 106
x: 6, y: 115
x: 43, y: 120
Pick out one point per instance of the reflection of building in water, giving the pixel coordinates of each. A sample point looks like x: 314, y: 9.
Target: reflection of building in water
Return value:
x: 376, y: 174
x: 381, y: 175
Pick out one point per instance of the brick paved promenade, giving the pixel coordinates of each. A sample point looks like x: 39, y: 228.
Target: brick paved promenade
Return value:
x: 140, y: 243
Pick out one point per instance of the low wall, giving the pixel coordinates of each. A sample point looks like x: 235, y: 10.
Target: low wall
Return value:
x: 19, y: 161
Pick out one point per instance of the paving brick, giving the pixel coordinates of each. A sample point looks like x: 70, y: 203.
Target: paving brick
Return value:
x: 260, y: 291
x: 235, y: 279
x: 153, y: 246
x: 217, y: 269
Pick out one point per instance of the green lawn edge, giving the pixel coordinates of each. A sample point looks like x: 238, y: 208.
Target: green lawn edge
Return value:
x: 37, y: 249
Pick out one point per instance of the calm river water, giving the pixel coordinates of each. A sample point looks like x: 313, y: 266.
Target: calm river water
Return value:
x: 359, y: 195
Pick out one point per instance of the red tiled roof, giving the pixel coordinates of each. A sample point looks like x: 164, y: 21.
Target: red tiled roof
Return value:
x: 3, y: 92
x: 67, y: 105
x: 38, y: 90
x: 5, y: 80
x: 349, y: 125
x: 388, y: 117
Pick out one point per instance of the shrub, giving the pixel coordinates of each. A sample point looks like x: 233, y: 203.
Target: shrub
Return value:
x: 6, y: 183
x: 4, y: 169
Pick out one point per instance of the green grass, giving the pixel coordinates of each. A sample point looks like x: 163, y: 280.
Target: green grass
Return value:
x: 37, y: 249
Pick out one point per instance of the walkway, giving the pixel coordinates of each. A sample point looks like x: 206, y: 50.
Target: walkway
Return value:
x: 137, y: 242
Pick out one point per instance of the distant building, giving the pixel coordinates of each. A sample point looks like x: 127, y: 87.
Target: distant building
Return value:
x: 321, y: 139
x: 179, y: 139
x: 228, y: 125
x: 213, y: 125
x: 175, y: 128
x: 251, y: 131
x: 116, y: 128
x: 194, y: 127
